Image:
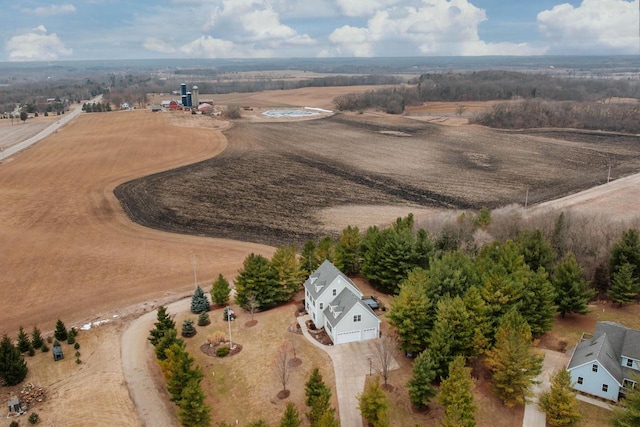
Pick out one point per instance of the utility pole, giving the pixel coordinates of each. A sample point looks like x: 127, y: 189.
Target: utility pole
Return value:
x: 609, y: 174
x: 229, y: 321
x: 195, y: 277
x: 526, y: 198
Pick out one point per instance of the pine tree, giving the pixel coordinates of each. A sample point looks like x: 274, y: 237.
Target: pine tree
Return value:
x: 559, y: 237
x: 537, y: 251
x: 538, y: 301
x: 624, y: 286
x: 163, y: 324
x: 188, y: 330
x: 169, y: 338
x: 61, y: 331
x: 424, y: 373
x: 318, y: 396
x: 203, y: 319
x: 326, y: 250
x: 193, y: 411
x: 36, y: 338
x: 456, y: 396
x: 571, y: 287
x: 257, y: 277
x: 626, y: 251
x: 220, y: 291
x: 423, y: 249
x: 13, y: 368
x: 291, y: 417
x: 409, y: 313
x: 628, y: 415
x: 285, y: 263
x: 328, y: 419
x: 559, y: 402
x: 23, y: 341
x: 513, y: 365
x: 309, y: 261
x: 374, y: 404
x: 199, y: 301
x: 348, y: 251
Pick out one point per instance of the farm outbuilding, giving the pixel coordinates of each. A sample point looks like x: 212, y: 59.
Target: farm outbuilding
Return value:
x: 16, y: 407
x: 57, y: 353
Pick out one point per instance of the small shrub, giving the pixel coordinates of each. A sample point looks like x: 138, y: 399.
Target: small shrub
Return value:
x: 73, y: 331
x: 77, y: 354
x: 232, y: 112
x: 60, y: 332
x: 203, y: 319
x: 78, y: 361
x: 222, y: 351
x: 49, y: 340
x: 32, y: 351
x: 34, y: 418
x: 76, y: 346
x: 71, y: 339
x: 188, y: 330
x: 44, y: 348
x: 14, y: 424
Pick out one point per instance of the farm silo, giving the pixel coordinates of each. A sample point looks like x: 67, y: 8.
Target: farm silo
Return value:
x: 195, y: 96
x: 183, y: 89
x: 184, y: 100
x: 189, y: 99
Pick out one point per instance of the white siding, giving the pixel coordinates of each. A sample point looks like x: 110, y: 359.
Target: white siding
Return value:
x: 347, y: 330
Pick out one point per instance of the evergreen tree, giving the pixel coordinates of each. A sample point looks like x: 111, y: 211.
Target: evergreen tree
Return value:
x: 424, y: 373
x: 13, y: 368
x: 348, y: 251
x: 624, y: 285
x: 538, y: 301
x: 409, y: 313
x: 450, y: 276
x: 199, y: 301
x: 374, y: 404
x: 220, y: 291
x: 188, y: 330
x: 571, y: 287
x: 483, y: 219
x: 478, y: 312
x: 23, y: 341
x: 456, y: 396
x: 203, y: 319
x: 560, y: 403
x: 537, y: 252
x: 601, y: 281
x: 36, y: 338
x: 61, y: 331
x: 318, y: 396
x: 626, y: 251
x: 164, y: 323
x: 423, y: 249
x: 560, y: 235
x: 285, y: 263
x: 513, y: 365
x: 309, y: 261
x: 328, y: 419
x: 258, y: 277
x: 291, y: 417
x: 193, y: 411
x: 258, y: 423
x: 452, y: 334
x: 628, y: 414
x: 169, y: 338
x: 326, y: 250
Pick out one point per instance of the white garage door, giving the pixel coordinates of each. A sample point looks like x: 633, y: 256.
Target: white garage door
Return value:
x: 369, y: 334
x: 345, y: 337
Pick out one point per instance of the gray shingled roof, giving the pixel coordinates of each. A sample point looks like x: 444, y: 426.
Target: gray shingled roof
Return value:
x: 340, y: 304
x: 609, y: 343
x: 324, y: 275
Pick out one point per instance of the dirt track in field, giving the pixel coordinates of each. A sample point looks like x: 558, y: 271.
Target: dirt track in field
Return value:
x: 275, y: 180
x: 69, y: 251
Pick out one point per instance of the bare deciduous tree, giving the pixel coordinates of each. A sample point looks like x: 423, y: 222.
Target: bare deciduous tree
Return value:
x: 386, y: 352
x: 252, y: 304
x: 460, y: 109
x: 281, y: 364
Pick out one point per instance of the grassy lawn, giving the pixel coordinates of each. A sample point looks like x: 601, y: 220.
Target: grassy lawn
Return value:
x: 244, y: 386
x: 593, y: 416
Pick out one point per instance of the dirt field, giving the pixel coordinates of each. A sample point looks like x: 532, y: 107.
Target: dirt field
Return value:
x: 290, y: 173
x: 19, y: 131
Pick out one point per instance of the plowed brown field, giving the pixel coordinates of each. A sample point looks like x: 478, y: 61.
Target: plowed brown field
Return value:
x: 69, y: 252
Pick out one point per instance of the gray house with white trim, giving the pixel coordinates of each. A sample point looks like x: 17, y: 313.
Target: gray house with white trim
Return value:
x: 334, y: 302
x: 603, y: 364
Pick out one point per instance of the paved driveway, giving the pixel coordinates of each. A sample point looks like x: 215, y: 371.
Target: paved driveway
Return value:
x: 352, y: 363
x: 553, y: 362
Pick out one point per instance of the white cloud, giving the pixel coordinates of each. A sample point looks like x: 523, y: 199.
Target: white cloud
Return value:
x: 36, y: 46
x: 209, y: 47
x: 363, y: 7
x: 156, y: 45
x: 436, y: 27
x: 54, y: 9
x: 596, y: 26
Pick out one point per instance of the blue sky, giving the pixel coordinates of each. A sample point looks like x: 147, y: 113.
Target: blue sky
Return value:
x: 134, y: 29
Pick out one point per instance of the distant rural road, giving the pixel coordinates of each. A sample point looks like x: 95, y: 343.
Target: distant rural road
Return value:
x: 64, y: 119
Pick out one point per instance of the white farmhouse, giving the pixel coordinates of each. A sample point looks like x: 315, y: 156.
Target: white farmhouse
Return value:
x: 334, y: 302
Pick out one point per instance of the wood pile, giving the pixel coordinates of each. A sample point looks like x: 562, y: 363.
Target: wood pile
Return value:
x: 31, y: 394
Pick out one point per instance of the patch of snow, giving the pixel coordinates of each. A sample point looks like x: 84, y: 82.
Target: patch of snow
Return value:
x: 86, y: 326
x: 322, y: 110
x: 283, y: 113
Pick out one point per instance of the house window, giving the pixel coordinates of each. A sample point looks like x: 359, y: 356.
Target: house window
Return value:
x: 321, y: 306
x: 605, y: 387
x: 628, y: 384
x: 357, y: 317
x: 594, y: 368
x: 630, y: 362
x: 335, y: 291
x: 329, y: 327
x: 580, y: 380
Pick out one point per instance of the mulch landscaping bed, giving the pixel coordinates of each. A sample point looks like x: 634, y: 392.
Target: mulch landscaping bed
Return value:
x: 211, y: 351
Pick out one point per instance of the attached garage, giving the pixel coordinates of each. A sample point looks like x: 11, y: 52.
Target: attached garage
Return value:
x: 345, y: 337
x: 369, y: 334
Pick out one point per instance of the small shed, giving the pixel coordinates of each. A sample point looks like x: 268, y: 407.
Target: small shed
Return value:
x: 16, y: 407
x: 156, y: 108
x: 57, y: 353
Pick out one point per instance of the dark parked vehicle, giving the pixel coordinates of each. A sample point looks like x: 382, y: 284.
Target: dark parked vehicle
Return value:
x: 372, y: 302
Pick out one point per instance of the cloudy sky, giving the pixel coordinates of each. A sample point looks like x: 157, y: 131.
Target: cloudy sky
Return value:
x: 137, y: 29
